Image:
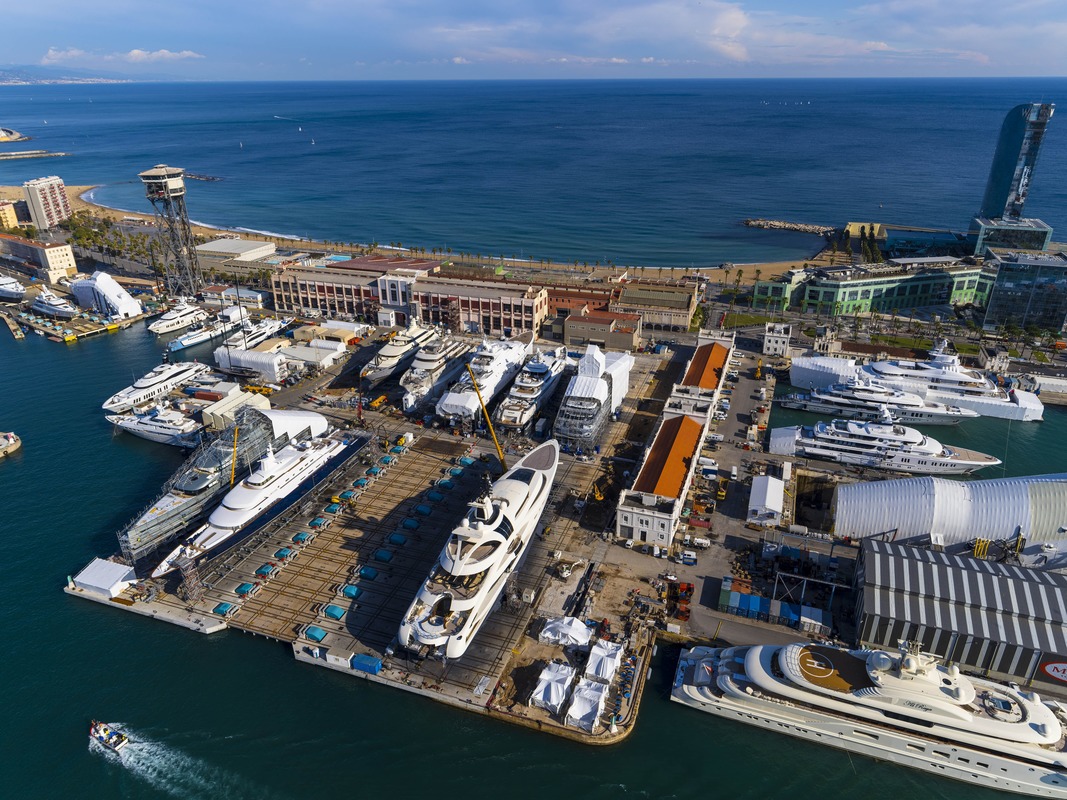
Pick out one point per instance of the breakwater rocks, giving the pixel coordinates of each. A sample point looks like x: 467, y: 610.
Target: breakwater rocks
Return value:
x: 780, y: 225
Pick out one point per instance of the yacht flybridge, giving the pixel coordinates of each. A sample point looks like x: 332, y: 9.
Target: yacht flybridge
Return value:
x: 480, y: 555
x: 904, y: 707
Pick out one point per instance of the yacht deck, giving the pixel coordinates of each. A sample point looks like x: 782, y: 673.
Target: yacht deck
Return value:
x: 833, y: 669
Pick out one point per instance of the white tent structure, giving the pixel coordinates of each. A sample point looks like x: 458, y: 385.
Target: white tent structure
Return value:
x: 955, y: 512
x: 552, y: 687
x: 766, y: 500
x: 101, y: 293
x: 565, y: 631
x: 604, y: 661
x: 587, y: 704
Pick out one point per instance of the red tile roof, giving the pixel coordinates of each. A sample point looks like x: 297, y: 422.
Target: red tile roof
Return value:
x: 669, y: 458
x: 705, y: 370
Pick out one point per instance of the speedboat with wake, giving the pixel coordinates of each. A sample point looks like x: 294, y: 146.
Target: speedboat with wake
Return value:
x: 106, y: 735
x: 480, y: 555
x: 283, y: 476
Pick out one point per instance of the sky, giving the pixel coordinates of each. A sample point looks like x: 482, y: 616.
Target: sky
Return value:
x: 486, y: 39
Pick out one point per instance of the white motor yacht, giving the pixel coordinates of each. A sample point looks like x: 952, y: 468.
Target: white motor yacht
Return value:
x: 180, y: 316
x: 283, y: 476
x: 905, y: 708
x: 160, y: 381
x: 879, y: 445
x: 163, y: 425
x: 227, y: 320
x: 863, y: 398
x: 494, y: 364
x: 11, y: 290
x: 50, y: 305
x: 532, y: 389
x: 252, y: 334
x: 397, y: 353
x: 435, y: 366
x: 480, y: 555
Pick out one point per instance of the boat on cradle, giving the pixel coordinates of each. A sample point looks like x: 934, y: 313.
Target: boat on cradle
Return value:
x: 907, y: 708
x: 163, y: 425
x: 283, y: 476
x: 879, y: 445
x: 11, y: 290
x: 180, y: 316
x: 436, y: 365
x: 251, y: 334
x: 160, y: 381
x: 494, y: 364
x: 532, y: 389
x: 941, y: 378
x: 9, y: 443
x: 50, y: 305
x: 480, y: 555
x: 863, y: 398
x: 397, y: 353
x: 107, y: 736
x: 195, y: 488
x: 227, y: 320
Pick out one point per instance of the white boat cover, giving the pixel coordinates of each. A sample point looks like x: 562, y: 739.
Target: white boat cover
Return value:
x: 604, y: 661
x: 552, y: 687
x: 585, y: 386
x: 565, y: 631
x: 290, y: 423
x: 587, y: 704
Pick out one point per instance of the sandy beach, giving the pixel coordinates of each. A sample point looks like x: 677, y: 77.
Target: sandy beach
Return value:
x: 767, y: 269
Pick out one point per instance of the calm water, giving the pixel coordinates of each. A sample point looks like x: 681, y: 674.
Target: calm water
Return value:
x: 653, y: 173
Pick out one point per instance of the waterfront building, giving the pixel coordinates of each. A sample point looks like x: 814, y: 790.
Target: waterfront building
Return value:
x: 609, y: 330
x: 221, y: 296
x: 8, y: 217
x: 703, y: 378
x: 47, y: 201
x: 900, y: 284
x: 234, y: 256
x: 776, y: 337
x: 651, y: 511
x: 666, y: 308
x: 102, y: 294
x: 50, y: 262
x: 997, y: 618
x: 1030, y: 290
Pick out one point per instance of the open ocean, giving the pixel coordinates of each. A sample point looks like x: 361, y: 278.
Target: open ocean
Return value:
x: 657, y: 173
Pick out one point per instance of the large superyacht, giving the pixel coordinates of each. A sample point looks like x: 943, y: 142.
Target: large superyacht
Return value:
x: 479, y: 556
x: 435, y: 367
x: 863, y: 398
x: 397, y: 353
x: 494, y: 364
x: 532, y: 389
x: 156, y: 383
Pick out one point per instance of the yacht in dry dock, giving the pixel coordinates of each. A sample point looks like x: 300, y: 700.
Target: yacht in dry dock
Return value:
x: 157, y: 383
x: 532, y: 389
x: 180, y: 316
x: 494, y: 364
x: 879, y: 445
x: 863, y: 398
x: 480, y: 555
x: 283, y: 476
x: 50, y: 305
x: 907, y: 708
x: 397, y: 353
x: 11, y: 291
x: 435, y: 366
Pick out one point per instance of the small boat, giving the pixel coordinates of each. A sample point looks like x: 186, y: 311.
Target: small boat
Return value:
x: 107, y: 736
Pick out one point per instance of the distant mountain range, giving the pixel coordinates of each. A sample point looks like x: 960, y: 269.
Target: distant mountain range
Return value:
x: 29, y: 74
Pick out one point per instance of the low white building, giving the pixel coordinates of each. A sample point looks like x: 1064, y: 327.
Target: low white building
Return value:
x: 766, y: 501
x: 776, y: 336
x: 233, y: 255
x: 103, y: 577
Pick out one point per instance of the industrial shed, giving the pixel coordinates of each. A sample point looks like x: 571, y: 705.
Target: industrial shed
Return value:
x: 982, y: 615
x: 956, y: 512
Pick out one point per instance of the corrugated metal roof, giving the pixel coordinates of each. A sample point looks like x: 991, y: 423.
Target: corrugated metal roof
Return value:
x: 959, y: 511
x: 670, y: 458
x: 971, y: 597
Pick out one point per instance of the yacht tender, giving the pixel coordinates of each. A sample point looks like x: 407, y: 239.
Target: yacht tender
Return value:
x: 880, y: 445
x: 863, y: 398
x: 285, y: 475
x: 906, y: 708
x: 157, y: 383
x: 480, y: 555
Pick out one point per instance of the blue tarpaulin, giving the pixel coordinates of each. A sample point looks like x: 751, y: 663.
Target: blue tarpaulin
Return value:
x: 423, y: 510
x: 411, y: 524
x: 398, y: 539
x: 318, y: 522
x: 333, y: 508
x: 347, y: 494
x: 387, y: 460
x: 265, y: 570
x: 333, y: 612
x: 302, y: 537
x: 285, y: 552
x: 374, y: 471
x: 244, y: 589
x: 383, y: 555
x: 222, y: 609
x: 455, y: 472
x: 396, y: 450
x: 315, y: 633
x: 446, y: 484
x: 351, y: 591
x: 466, y: 461
x: 434, y: 497
x: 359, y: 483
x: 370, y: 573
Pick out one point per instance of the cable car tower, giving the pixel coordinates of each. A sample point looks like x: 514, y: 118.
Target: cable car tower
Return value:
x: 165, y: 190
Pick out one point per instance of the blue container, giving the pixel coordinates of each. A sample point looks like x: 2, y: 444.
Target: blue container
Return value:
x: 370, y: 573
x: 351, y: 591
x: 398, y: 539
x: 315, y: 633
x: 411, y: 524
x: 333, y: 612
x: 446, y: 484
x: 302, y: 537
x: 222, y: 609
x: 383, y: 555
x: 434, y: 497
x: 365, y: 663
x: 285, y: 552
x: 423, y: 510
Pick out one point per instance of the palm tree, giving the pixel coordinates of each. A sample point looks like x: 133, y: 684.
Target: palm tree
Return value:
x: 755, y: 281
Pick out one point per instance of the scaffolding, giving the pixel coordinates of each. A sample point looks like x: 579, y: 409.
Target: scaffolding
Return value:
x: 581, y: 420
x: 165, y: 190
x: 192, y: 586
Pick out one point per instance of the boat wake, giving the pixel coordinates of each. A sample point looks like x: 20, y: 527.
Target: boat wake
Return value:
x: 174, y: 772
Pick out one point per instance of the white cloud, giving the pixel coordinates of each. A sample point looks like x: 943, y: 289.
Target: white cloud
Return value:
x: 460, y: 60
x: 57, y: 56
x: 142, y: 56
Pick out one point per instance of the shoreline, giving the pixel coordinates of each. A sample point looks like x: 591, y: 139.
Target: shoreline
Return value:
x: 80, y: 197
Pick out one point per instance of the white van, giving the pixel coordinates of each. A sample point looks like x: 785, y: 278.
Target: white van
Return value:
x: 715, y: 437
x: 733, y: 473
x: 655, y: 551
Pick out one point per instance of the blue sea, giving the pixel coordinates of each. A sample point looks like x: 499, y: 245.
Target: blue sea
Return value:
x: 656, y: 173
